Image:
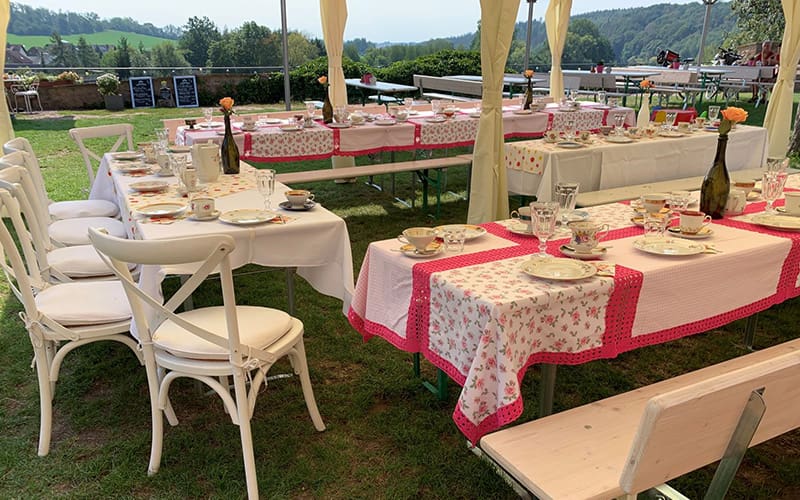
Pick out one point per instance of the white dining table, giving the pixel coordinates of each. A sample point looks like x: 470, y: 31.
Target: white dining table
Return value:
x: 533, y: 167
x: 315, y: 242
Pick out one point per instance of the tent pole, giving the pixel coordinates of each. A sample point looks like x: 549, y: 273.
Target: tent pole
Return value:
x: 287, y: 96
x: 706, y: 19
x: 531, y: 4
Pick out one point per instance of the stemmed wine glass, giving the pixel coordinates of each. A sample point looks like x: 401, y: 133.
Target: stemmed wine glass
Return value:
x: 265, y: 181
x: 669, y: 119
x: 543, y: 218
x: 713, y: 113
x: 771, y: 188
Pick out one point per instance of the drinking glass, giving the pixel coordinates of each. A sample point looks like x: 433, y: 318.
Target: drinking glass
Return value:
x: 408, y: 102
x: 208, y: 114
x: 436, y: 106
x: 601, y: 97
x: 566, y: 194
x: 713, y: 113
x: 569, y: 129
x: 573, y: 94
x: 265, y: 181
x: 613, y: 101
x: 619, y: 123
x: 669, y: 119
x: 340, y: 114
x: 454, y: 237
x: 655, y: 224
x: 544, y: 215
x: 777, y: 164
x: 311, y: 110
x: 162, y: 137
x: 177, y: 163
x: 679, y: 200
x: 771, y: 188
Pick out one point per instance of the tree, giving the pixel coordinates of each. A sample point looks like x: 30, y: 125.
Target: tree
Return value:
x: 64, y: 55
x: 248, y: 45
x: 301, y: 50
x: 198, y: 36
x: 758, y: 20
x: 167, y: 55
x: 87, y: 55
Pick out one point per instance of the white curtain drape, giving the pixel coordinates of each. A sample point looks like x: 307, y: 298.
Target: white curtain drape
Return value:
x: 778, y: 120
x: 334, y: 18
x: 6, y: 130
x: 556, y: 20
x: 488, y: 199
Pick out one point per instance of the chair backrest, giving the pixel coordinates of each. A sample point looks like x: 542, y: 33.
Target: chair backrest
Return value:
x: 209, y: 252
x: 691, y: 427
x: 18, y: 144
x: 37, y: 217
x: 122, y: 131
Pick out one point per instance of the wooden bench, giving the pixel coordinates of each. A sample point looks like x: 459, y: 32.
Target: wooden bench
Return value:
x: 448, y: 88
x: 603, y: 196
x: 634, y: 441
x: 420, y: 167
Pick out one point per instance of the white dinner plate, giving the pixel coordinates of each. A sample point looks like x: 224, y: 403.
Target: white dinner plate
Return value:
x: 272, y: 121
x: 162, y: 209
x: 522, y: 111
x: 234, y: 132
x: 569, y: 145
x: 211, y: 125
x: 520, y: 229
x: 670, y: 247
x: 471, y: 231
x: 670, y: 133
x: 246, y: 216
x: 149, y: 186
x: 432, y: 249
x: 596, y: 253
x: 339, y: 125
x: 129, y: 168
x: 290, y: 128
x: 618, y: 139
x: 558, y: 269
x: 127, y: 155
x: 180, y: 149
x: 385, y: 123
x: 704, y: 233
x: 779, y: 222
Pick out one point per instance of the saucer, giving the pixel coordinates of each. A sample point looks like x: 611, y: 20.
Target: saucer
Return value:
x: 522, y: 111
x: 339, y: 125
x: 520, y: 229
x: 308, y: 205
x: 273, y: 121
x: 234, y: 132
x: 618, y: 139
x: 704, y: 233
x: 212, y: 216
x: 290, y: 128
x: 596, y: 253
x: 249, y: 129
x: 569, y: 145
x: 385, y: 123
x: 149, y: 186
x: 432, y: 249
x: 437, y: 119
x: 558, y: 269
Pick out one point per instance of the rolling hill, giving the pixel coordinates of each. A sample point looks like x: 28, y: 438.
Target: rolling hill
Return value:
x: 109, y: 37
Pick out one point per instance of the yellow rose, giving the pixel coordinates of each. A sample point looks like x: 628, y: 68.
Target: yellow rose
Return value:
x: 226, y: 103
x: 323, y: 80
x: 734, y: 115
x: 528, y: 73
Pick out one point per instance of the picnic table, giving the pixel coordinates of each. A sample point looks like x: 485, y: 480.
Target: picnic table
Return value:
x: 379, y: 89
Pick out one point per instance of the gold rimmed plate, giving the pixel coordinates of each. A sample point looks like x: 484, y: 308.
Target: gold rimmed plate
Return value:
x: 558, y: 269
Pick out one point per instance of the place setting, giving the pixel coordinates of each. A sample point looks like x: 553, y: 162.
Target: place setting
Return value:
x: 420, y: 243
x: 298, y: 200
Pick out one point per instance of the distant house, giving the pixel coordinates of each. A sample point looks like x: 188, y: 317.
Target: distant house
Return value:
x: 102, y: 49
x: 18, y: 57
x: 40, y: 56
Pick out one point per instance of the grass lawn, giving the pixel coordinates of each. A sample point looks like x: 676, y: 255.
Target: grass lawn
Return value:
x: 387, y: 437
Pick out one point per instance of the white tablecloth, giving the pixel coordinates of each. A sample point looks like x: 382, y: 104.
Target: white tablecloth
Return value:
x: 533, y: 167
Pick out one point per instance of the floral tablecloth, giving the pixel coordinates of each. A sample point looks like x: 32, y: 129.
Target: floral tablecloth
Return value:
x: 480, y: 319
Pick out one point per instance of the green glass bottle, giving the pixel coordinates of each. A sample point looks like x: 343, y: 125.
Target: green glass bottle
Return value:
x: 717, y: 183
x: 327, y: 109
x: 229, y: 151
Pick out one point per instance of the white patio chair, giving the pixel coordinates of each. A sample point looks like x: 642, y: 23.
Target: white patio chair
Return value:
x: 69, y: 209
x: 60, y: 318
x: 122, y: 131
x: 62, y: 233
x: 52, y: 265
x: 28, y: 92
x: 208, y: 343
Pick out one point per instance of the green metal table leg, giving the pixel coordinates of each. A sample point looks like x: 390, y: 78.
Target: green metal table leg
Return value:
x: 440, y: 389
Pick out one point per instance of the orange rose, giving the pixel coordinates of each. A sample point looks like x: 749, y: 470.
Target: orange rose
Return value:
x: 528, y: 73
x: 226, y: 103
x: 323, y: 80
x: 645, y: 84
x: 734, y: 115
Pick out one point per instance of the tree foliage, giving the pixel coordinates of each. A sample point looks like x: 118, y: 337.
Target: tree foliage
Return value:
x: 199, y: 34
x: 757, y: 20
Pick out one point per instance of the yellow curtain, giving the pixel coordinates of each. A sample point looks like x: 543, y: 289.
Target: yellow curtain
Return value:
x: 778, y: 120
x: 334, y: 18
x: 488, y: 199
x: 556, y: 20
x: 6, y: 130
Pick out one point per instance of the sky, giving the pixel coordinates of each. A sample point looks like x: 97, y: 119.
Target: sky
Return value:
x: 375, y: 20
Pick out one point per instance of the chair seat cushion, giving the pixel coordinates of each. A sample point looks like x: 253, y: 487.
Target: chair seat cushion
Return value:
x: 76, y: 231
x: 258, y: 327
x: 80, y: 261
x: 85, y: 303
x: 73, y: 209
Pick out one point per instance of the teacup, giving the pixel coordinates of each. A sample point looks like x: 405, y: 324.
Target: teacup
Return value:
x: 633, y: 131
x: 650, y: 131
x: 249, y: 122
x: 692, y: 221
x: 585, y: 135
x: 683, y: 127
x: 401, y: 115
x: 700, y: 121
x: 523, y: 216
x: 202, y: 206
x: 737, y: 199
x: 298, y: 197
x: 357, y: 118
x: 586, y: 235
x: 605, y: 129
x: 551, y: 136
x: 419, y: 237
x: 654, y: 202
x: 792, y: 202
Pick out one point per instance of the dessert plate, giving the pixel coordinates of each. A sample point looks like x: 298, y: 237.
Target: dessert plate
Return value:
x: 162, y: 209
x: 129, y: 168
x: 211, y: 125
x: 558, y: 269
x: 437, y: 119
x: 569, y: 145
x: 522, y: 111
x: 149, y: 186
x: 212, y: 216
x: 471, y: 231
x: 246, y: 217
x: 670, y: 133
x: 127, y: 155
x: 273, y: 121
x: 704, y: 233
x: 596, y: 253
x: 339, y: 125
x: 290, y: 128
x: 618, y: 139
x: 385, y: 123
x: 779, y: 222
x: 668, y: 246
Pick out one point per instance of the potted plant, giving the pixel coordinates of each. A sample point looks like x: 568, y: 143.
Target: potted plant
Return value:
x: 108, y: 86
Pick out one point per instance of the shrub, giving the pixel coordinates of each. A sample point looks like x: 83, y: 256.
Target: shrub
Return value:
x: 442, y: 63
x: 108, y: 84
x: 68, y: 76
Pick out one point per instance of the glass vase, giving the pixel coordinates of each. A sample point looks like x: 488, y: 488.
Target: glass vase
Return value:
x: 229, y: 151
x: 327, y: 108
x: 528, y: 96
x: 717, y: 184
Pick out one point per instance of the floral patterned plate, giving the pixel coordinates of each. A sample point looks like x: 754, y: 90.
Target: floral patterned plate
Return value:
x: 471, y: 231
x: 558, y: 269
x: 668, y: 246
x: 149, y: 186
x: 162, y: 209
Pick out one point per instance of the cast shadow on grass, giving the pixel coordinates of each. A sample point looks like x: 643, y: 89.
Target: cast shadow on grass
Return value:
x: 45, y: 124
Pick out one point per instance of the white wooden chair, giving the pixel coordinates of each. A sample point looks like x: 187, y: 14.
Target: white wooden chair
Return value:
x: 69, y: 209
x: 54, y: 265
x: 209, y: 343
x: 60, y: 317
x: 123, y: 132
x: 62, y: 233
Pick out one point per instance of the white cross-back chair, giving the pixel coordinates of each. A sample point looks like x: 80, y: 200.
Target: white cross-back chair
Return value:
x: 66, y: 232
x: 54, y: 265
x: 205, y: 344
x: 69, y: 209
x: 28, y: 92
x: 60, y: 317
x: 122, y: 131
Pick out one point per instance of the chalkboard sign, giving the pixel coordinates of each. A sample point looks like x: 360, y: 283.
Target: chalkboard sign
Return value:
x: 186, y: 91
x: 142, y: 92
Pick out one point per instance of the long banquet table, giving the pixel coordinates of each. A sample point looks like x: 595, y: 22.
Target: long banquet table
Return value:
x: 479, y: 318
x: 533, y: 167
x: 271, y: 144
x: 315, y: 242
